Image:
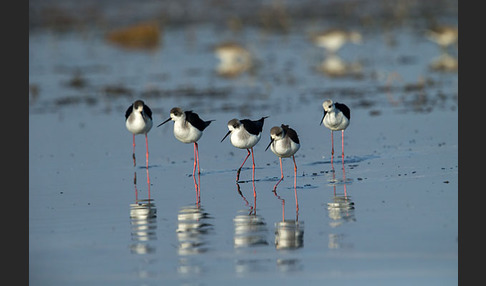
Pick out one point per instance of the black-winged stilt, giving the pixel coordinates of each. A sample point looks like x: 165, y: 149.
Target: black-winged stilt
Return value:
x: 284, y: 142
x: 245, y: 134
x: 138, y: 120
x: 336, y: 117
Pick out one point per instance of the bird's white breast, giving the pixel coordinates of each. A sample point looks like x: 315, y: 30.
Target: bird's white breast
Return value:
x: 240, y: 138
x: 284, y: 148
x: 335, y: 121
x: 185, y: 132
x: 137, y: 125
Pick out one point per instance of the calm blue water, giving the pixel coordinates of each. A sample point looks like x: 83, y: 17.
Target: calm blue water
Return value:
x: 90, y: 217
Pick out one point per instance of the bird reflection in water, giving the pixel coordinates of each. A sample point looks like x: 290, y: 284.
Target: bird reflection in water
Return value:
x: 143, y: 223
x: 250, y: 229
x: 192, y: 233
x: 340, y: 209
x: 444, y: 36
x: 289, y: 234
x: 197, y: 187
x: 192, y: 227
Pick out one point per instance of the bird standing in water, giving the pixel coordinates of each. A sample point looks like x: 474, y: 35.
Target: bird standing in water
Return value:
x: 245, y: 134
x: 336, y: 117
x: 284, y: 143
x: 188, y: 128
x: 138, y: 120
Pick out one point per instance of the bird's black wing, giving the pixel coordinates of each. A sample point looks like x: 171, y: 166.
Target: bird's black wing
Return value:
x: 344, y: 109
x: 253, y: 127
x: 196, y: 121
x: 129, y: 111
x: 291, y: 133
x: 147, y: 111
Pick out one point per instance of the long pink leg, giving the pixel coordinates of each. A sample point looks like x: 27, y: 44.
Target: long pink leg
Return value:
x: 197, y: 156
x: 281, y: 175
x: 332, y: 143
x: 253, y: 165
x: 344, y: 181
x: 239, y: 170
x: 254, y: 198
x: 133, y: 154
x: 195, y: 159
x: 295, y: 188
x: 253, y: 179
x: 342, y: 145
x: 196, y: 187
x: 146, y: 148
x: 199, y: 188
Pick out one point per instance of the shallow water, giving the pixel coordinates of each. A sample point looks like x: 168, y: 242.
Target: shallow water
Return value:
x: 390, y: 217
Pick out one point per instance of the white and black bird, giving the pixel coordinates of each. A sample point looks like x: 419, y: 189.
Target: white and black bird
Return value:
x: 188, y: 128
x: 336, y: 117
x: 284, y: 142
x: 245, y: 134
x: 138, y: 120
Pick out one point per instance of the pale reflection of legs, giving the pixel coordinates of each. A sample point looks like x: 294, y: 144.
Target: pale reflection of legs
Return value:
x: 283, y: 203
x: 238, y: 189
x: 135, y: 185
x: 198, y: 190
x: 133, y: 154
x: 148, y: 183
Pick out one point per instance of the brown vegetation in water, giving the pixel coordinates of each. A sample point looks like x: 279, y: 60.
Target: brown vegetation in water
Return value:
x: 141, y: 36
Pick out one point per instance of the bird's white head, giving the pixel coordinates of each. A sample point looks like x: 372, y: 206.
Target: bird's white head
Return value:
x: 233, y: 124
x: 328, y: 105
x: 138, y: 105
x: 177, y: 113
x: 277, y: 133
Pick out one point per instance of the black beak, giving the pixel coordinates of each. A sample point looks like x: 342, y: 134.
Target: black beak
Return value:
x: 323, y: 117
x: 229, y: 132
x: 164, y: 122
x: 271, y: 141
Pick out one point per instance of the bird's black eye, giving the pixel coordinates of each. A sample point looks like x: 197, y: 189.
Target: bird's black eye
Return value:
x: 329, y: 106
